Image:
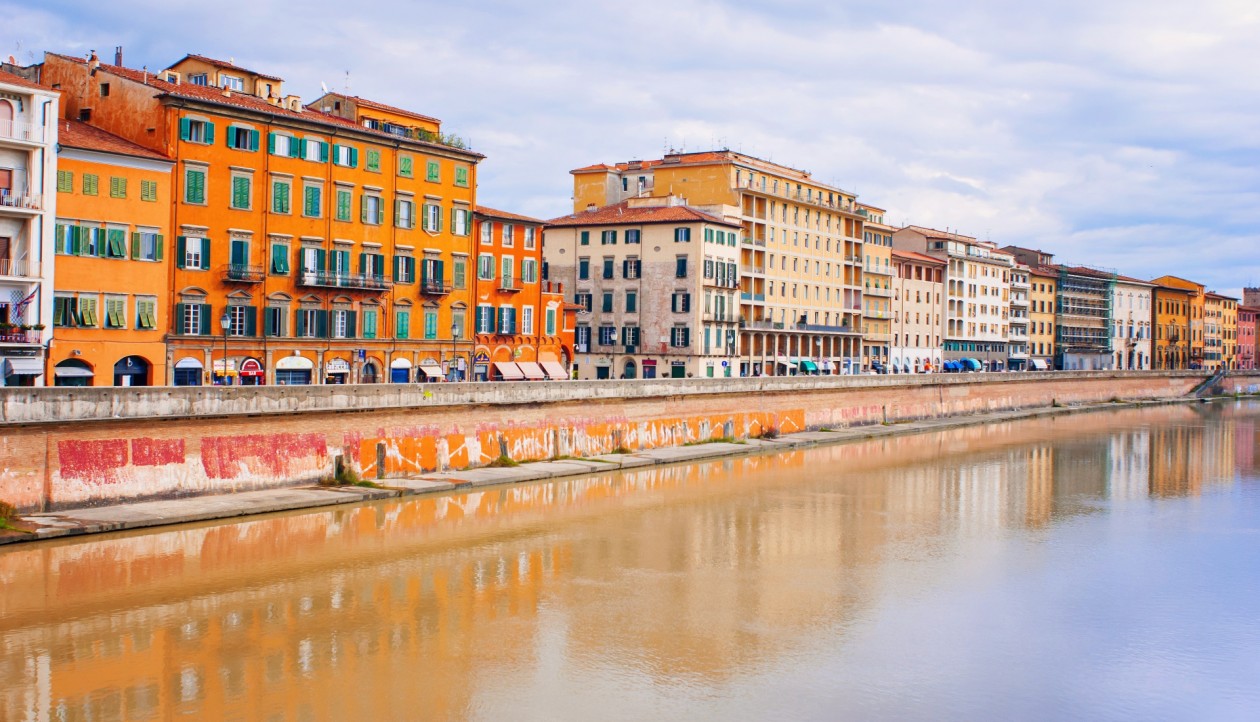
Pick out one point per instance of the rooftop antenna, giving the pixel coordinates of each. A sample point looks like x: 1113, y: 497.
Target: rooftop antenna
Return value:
x: 347, y: 82
x: 324, y: 87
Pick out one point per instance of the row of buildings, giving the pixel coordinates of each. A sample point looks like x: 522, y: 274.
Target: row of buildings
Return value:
x: 200, y: 225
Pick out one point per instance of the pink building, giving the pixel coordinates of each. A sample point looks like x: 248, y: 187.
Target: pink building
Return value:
x: 1247, y: 351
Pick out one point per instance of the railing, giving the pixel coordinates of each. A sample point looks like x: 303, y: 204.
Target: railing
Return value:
x: 434, y: 287
x: 19, y: 336
x: 761, y: 325
x: 20, y: 268
x: 507, y: 283
x: 812, y: 199
x: 761, y: 242
x: 24, y: 201
x: 877, y: 314
x: 324, y: 279
x: 243, y: 274
x: 877, y: 336
x: 759, y: 270
x: 20, y: 130
x: 553, y: 287
x: 878, y: 291
x: 746, y: 296
x: 822, y: 328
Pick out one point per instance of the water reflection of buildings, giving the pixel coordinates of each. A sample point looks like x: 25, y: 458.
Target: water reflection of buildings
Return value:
x: 414, y: 608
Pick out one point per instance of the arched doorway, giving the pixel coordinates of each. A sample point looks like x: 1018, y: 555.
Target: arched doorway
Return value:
x: 131, y: 371
x: 252, y: 373
x: 399, y: 371
x: 370, y: 374
x: 188, y: 372
x: 294, y: 371
x: 630, y: 371
x: 72, y: 372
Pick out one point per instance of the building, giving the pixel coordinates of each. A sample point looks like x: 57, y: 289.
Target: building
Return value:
x: 918, y: 311
x: 977, y: 294
x: 1017, y: 351
x: 657, y: 282
x: 299, y: 230
x: 1247, y: 337
x: 1195, y: 342
x: 28, y: 204
x: 520, y: 325
x: 800, y: 248
x: 877, y: 283
x: 1043, y: 282
x: 110, y: 311
x: 1082, y: 307
x: 1172, y: 327
x: 1131, y: 303
x: 1220, y: 332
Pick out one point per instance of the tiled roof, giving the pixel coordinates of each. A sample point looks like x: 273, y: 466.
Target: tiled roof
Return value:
x: 493, y: 213
x: 940, y: 235
x: 912, y: 256
x: 1219, y: 296
x: 226, y: 66
x: 622, y: 213
x: 1130, y: 279
x: 11, y: 79
x: 77, y: 134
x: 216, y: 96
x: 364, y: 102
x: 1086, y: 271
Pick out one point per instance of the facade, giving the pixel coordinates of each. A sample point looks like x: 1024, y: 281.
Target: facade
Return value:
x: 800, y: 248
x: 657, y: 283
x: 918, y: 310
x: 1247, y: 337
x: 1172, y: 327
x: 1220, y: 332
x: 28, y: 204
x: 110, y: 311
x: 877, y: 284
x: 977, y: 294
x: 1043, y: 282
x: 1132, y: 303
x: 1083, y: 318
x: 1195, y: 342
x: 1017, y: 351
x: 299, y: 232
x: 520, y: 317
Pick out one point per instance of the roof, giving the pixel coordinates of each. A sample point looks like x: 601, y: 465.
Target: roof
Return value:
x: 1130, y: 279
x: 77, y: 134
x: 622, y: 214
x: 919, y: 257
x: 709, y: 157
x: 941, y: 235
x: 365, y: 103
x: 1086, y: 271
x: 217, y: 96
x: 492, y: 213
x: 224, y: 65
x: 1219, y: 296
x: 13, y: 79
x: 1044, y: 271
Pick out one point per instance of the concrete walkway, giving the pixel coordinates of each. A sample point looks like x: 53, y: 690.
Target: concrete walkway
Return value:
x: 201, y: 508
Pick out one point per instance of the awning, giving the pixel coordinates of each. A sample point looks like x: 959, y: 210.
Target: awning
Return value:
x: 973, y: 364
x: 72, y: 372
x: 809, y: 365
x: 1040, y: 364
x: 509, y: 371
x: 554, y: 370
x: 532, y: 371
x: 251, y: 367
x: 431, y: 370
x: 781, y: 360
x: 23, y: 367
x: 951, y: 365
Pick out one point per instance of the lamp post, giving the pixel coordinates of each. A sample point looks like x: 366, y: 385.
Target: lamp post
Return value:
x: 454, y: 331
x: 225, y: 323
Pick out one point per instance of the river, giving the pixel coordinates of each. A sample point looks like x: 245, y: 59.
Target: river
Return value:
x: 1103, y: 565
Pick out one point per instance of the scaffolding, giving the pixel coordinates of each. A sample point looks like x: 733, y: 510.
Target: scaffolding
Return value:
x: 1083, y: 314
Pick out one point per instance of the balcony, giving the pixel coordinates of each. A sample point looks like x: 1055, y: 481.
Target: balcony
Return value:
x: 759, y: 242
x: 817, y: 200
x: 17, y: 335
x: 21, y: 131
x: 24, y: 203
x: 821, y: 328
x: 352, y: 282
x: 236, y: 273
x: 878, y: 336
x: 19, y: 268
x: 434, y: 287
x: 877, y: 314
x: 761, y: 325
x: 752, y: 270
x: 874, y: 291
x: 755, y: 297
x: 507, y: 284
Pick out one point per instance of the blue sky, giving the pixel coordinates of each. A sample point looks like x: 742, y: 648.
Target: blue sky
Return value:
x: 1122, y: 134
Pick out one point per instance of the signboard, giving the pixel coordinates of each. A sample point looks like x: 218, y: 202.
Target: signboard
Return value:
x: 482, y: 358
x: 338, y: 366
x: 362, y: 353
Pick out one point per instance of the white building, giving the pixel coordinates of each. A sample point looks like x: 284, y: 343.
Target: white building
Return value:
x: 1131, y: 324
x: 918, y: 307
x: 1017, y: 337
x: 28, y: 196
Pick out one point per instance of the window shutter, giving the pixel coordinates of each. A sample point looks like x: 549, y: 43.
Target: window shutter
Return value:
x: 205, y: 254
x: 135, y: 246
x: 378, y: 267
x: 439, y: 271
x: 586, y: 238
x: 321, y: 259
x: 295, y: 146
x: 180, y: 311
x: 181, y: 250
x: 354, y: 157
x: 686, y: 302
x: 209, y: 133
x: 158, y: 243
x: 251, y: 321
x: 323, y: 152
x: 184, y: 128
x: 300, y: 325
x: 253, y: 140
x: 269, y: 322
x: 204, y: 330
x: 271, y: 143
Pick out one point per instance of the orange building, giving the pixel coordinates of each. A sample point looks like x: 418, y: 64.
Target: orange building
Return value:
x: 1172, y: 327
x: 301, y: 231
x: 112, y: 278
x: 521, y: 329
x: 1195, y: 340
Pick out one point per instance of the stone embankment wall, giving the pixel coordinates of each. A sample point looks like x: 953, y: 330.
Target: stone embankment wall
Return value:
x: 68, y: 448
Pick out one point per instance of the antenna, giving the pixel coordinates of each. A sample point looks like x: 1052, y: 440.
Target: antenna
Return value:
x: 347, y: 82
x: 324, y: 87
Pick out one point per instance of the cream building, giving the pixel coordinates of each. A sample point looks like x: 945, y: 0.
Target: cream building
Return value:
x: 1017, y: 353
x: 658, y: 286
x: 800, y: 248
x: 977, y: 294
x: 1131, y: 301
x: 877, y: 283
x: 918, y: 310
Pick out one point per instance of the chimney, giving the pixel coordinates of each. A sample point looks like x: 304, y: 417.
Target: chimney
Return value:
x: 93, y: 62
x: 590, y: 207
x: 118, y: 56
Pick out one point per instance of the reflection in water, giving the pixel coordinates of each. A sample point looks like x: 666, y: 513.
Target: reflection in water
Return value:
x: 664, y: 589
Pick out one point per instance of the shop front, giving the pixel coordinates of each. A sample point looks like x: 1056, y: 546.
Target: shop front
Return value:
x: 253, y: 373
x: 294, y: 371
x: 188, y: 372
x: 73, y: 372
x: 131, y: 371
x: 399, y: 371
x: 336, y: 371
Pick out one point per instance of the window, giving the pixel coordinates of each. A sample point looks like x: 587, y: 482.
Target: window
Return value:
x: 280, y: 259
x: 193, y: 253
x: 193, y: 130
x: 404, y: 269
x: 198, y: 79
x: 117, y: 187
x: 632, y: 302
x: 461, y: 177
x: 682, y: 235
x: 311, y: 323
x: 194, y: 186
x: 680, y: 267
x: 608, y: 267
x: 509, y: 234
x: 115, y: 243
x: 372, y: 210
x: 485, y: 267
x: 680, y: 337
x: 632, y: 237
x: 584, y: 300
x: 485, y: 319
x: 65, y: 312
x: 582, y: 338
x: 276, y: 321
x: 280, y: 196
x: 369, y: 323
x: 374, y: 160
x: 343, y: 204
x: 343, y: 323
x: 231, y: 82
x: 631, y: 268
x: 459, y: 271
x: 241, y: 191
x: 146, y: 246
x: 432, y: 217
x: 680, y: 302
x: 243, y: 320
x: 87, y: 311
x: 507, y: 320
x: 432, y: 172
x: 430, y: 323
x: 586, y: 238
x: 551, y: 322
x: 146, y: 314
x: 242, y: 138
x: 194, y: 319
x: 65, y: 181
x: 460, y: 218
x: 345, y: 156
x: 584, y: 269
x: 531, y: 237
x: 314, y: 150
x: 509, y: 266
x: 529, y: 270
x: 91, y: 183
x: 282, y: 145
x: 607, y: 335
x: 405, y: 166
x: 608, y: 238
x: 630, y: 336
x: 404, y: 213
x: 606, y: 302
x: 487, y: 233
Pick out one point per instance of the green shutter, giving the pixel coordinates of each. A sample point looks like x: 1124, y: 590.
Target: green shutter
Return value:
x: 209, y: 133
x: 185, y: 126
x: 354, y: 157
x: 299, y: 326
x: 158, y: 243
x: 351, y: 331
x: 323, y: 152
x: 205, y: 320
x: 321, y: 324
x: 181, y: 250
x: 586, y: 238
x: 251, y: 321
x: 135, y: 246
x: 397, y: 268
x: 240, y: 253
x: 271, y: 143
x: 295, y: 147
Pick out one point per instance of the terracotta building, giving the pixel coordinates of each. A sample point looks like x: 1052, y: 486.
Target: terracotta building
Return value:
x: 1247, y: 316
x: 918, y: 309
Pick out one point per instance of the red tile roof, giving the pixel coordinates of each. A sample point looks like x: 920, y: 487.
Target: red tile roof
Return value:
x: 912, y: 256
x: 216, y: 96
x: 1130, y: 279
x: 623, y: 214
x: 77, y: 134
x: 223, y: 65
x: 1220, y: 297
x: 11, y: 79
x: 493, y: 213
x: 939, y: 235
x: 364, y: 102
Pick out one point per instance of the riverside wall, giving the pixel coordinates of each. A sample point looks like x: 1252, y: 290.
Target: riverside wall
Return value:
x: 70, y: 448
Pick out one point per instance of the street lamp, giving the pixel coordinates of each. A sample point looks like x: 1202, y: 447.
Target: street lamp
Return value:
x: 225, y: 323
x: 454, y: 331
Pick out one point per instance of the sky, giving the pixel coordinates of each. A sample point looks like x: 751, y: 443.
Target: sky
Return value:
x: 1122, y: 134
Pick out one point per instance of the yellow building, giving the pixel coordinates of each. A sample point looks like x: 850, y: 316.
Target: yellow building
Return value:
x: 1172, y: 327
x: 801, y: 277
x: 1195, y: 340
x: 877, y: 289
x: 1220, y: 332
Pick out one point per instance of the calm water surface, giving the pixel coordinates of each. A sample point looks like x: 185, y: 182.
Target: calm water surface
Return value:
x: 1096, y: 566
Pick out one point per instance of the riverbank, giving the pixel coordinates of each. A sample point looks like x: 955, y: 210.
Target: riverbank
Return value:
x: 166, y: 512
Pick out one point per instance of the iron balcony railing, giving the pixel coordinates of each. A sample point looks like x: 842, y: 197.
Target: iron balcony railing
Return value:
x: 20, y: 201
x: 325, y: 279
x: 21, y: 130
x: 242, y: 273
x: 19, y: 268
x: 434, y: 287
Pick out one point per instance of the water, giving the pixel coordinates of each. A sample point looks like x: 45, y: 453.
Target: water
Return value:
x: 1095, y: 566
